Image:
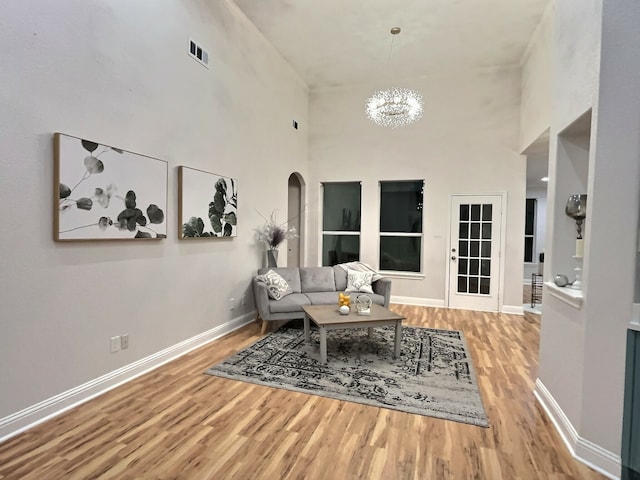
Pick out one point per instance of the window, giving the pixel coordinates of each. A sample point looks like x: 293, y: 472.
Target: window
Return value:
x: 529, y: 230
x: 340, y: 223
x: 401, y: 225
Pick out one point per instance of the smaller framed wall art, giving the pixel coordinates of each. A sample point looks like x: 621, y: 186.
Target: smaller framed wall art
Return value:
x: 107, y: 193
x: 207, y: 204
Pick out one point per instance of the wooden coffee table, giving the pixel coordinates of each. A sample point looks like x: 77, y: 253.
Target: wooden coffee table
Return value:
x: 327, y: 317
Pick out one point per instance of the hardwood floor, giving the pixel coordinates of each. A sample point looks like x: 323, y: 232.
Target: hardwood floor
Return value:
x: 178, y: 423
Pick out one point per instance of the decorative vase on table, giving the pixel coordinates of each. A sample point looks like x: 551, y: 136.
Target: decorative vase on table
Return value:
x: 272, y: 258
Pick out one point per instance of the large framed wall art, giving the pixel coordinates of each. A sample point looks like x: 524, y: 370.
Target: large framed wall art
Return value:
x: 207, y: 204
x: 107, y: 193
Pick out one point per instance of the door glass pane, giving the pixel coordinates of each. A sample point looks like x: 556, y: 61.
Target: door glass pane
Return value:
x: 475, y: 230
x: 484, y: 286
x: 475, y: 213
x: 486, y: 212
x: 341, y: 207
x: 485, y: 268
x: 400, y: 253
x: 463, y: 248
x: 486, y: 231
x: 340, y: 249
x: 486, y: 249
x: 475, y: 249
x: 464, y: 230
x: 474, y: 267
x: 462, y: 284
x: 473, y: 285
x: 462, y: 266
x: 464, y: 212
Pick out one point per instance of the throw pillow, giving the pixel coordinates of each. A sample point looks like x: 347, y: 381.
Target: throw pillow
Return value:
x: 359, y: 281
x: 277, y: 287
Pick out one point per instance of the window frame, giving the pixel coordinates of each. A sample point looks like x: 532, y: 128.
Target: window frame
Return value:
x: 419, y: 235
x: 324, y: 232
x: 534, y: 202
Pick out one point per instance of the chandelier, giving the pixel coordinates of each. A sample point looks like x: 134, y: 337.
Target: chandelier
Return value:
x: 394, y: 107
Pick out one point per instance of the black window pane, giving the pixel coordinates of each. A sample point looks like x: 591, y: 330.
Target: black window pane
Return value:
x: 475, y: 230
x: 464, y: 212
x: 340, y: 249
x: 530, y: 216
x: 486, y: 249
x: 462, y: 266
x: 474, y: 267
x: 475, y: 213
x: 528, y: 249
x: 463, y: 248
x: 475, y: 249
x: 486, y: 231
x: 485, y: 268
x: 485, y: 284
x: 462, y: 284
x: 464, y: 230
x: 487, y: 212
x: 473, y: 284
x: 341, y: 207
x: 401, y: 206
x: 400, y: 253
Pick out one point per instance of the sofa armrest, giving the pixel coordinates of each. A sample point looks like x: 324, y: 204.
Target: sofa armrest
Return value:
x: 383, y: 287
x: 261, y: 299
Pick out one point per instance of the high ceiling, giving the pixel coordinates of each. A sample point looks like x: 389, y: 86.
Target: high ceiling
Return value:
x: 344, y: 42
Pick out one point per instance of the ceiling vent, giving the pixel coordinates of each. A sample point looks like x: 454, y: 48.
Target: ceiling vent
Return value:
x: 198, y: 53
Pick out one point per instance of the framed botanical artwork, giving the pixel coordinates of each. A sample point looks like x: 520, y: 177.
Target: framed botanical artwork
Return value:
x: 207, y: 204
x: 107, y: 193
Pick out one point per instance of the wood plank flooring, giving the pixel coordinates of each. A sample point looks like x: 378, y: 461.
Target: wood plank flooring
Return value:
x: 178, y: 423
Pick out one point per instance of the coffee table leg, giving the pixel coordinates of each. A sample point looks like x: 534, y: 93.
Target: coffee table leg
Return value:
x: 323, y: 345
x: 398, y: 338
x: 370, y: 332
x: 307, y: 335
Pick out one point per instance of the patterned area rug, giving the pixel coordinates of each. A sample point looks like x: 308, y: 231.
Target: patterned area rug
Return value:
x: 433, y: 377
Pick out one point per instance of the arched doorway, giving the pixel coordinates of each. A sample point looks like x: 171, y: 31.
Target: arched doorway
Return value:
x: 295, y: 217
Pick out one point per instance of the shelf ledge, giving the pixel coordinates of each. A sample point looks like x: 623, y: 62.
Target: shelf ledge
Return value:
x: 570, y: 296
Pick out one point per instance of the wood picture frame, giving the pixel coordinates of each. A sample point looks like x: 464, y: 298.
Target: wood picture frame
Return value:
x: 107, y: 193
x: 207, y: 204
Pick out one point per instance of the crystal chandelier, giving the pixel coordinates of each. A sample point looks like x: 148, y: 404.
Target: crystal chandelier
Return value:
x: 394, y: 107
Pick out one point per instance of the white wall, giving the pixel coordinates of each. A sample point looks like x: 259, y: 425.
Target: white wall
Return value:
x: 118, y: 72
x: 582, y: 350
x: 467, y: 142
x: 535, y: 113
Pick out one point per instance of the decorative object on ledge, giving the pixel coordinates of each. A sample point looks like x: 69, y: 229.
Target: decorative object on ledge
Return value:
x: 394, y: 107
x: 107, y: 193
x: 561, y: 280
x: 271, y: 235
x: 576, y: 208
x: 208, y: 196
x: 577, y: 283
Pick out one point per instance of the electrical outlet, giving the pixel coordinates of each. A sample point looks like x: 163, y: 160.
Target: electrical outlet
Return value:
x: 115, y: 344
x: 124, y: 341
x: 244, y: 300
x: 232, y: 302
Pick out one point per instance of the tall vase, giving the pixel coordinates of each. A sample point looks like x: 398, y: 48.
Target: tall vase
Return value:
x: 272, y: 258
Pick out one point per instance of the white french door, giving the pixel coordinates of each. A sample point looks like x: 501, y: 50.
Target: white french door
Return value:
x: 474, y: 252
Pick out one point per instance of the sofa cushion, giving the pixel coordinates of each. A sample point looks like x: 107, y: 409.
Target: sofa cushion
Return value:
x: 290, y: 303
x: 277, y: 287
x: 323, y: 298
x: 340, y: 275
x: 359, y: 281
x: 291, y: 275
x: 317, y: 279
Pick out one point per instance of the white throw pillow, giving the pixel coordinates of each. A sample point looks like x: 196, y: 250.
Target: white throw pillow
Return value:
x: 359, y: 281
x: 277, y: 287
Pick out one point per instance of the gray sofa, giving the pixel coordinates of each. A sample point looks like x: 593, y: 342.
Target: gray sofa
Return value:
x: 311, y: 286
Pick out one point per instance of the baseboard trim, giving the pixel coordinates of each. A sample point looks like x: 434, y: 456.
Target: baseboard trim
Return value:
x: 422, y: 302
x: 592, y: 455
x: 512, y: 309
x: 40, y: 412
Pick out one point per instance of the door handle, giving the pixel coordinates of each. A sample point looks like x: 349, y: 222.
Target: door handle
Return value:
x: 453, y: 257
